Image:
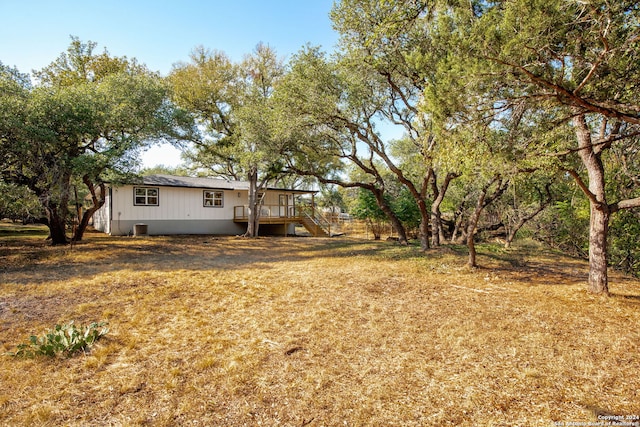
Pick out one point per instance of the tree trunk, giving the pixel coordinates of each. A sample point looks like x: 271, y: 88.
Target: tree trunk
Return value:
x: 54, y: 198
x: 526, y: 218
x: 484, y: 200
x: 471, y: 229
x: 419, y: 197
x: 98, y: 202
x: 458, y: 217
x: 600, y: 212
x: 457, y: 225
x: 253, y: 214
x: 598, y: 255
x: 376, y: 229
x: 56, y: 221
x: 436, y: 227
x: 424, y: 233
x: 512, y: 233
x: 395, y: 222
x: 521, y: 222
x: 56, y: 210
x: 437, y: 231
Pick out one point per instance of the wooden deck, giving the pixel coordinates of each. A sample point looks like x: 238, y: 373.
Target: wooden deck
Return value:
x: 269, y: 214
x: 285, y: 215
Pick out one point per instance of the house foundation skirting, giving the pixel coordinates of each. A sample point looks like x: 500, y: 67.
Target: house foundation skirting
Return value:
x: 162, y: 227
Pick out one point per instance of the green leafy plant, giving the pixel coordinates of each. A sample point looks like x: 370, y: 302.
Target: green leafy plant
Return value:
x: 62, y: 340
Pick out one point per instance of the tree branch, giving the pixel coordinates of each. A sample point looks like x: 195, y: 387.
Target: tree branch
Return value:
x: 595, y: 65
x: 583, y: 186
x: 605, y: 143
x: 572, y: 97
x: 625, y: 204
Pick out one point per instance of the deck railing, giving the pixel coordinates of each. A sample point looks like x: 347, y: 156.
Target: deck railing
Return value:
x: 311, y: 218
x: 268, y: 212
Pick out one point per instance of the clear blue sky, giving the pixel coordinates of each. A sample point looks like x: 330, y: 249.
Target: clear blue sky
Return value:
x: 159, y: 33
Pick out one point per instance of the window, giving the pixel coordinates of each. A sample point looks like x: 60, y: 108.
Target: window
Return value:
x: 213, y: 199
x: 145, y: 196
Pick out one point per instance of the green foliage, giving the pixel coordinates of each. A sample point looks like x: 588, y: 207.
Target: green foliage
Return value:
x: 331, y: 198
x: 624, y: 245
x: 307, y: 99
x: 565, y: 226
x: 86, y: 117
x: 233, y: 106
x: 18, y: 203
x: 405, y: 207
x: 166, y: 170
x: 64, y: 340
x: 366, y: 208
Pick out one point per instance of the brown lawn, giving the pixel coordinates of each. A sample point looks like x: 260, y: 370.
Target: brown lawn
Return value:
x: 223, y: 331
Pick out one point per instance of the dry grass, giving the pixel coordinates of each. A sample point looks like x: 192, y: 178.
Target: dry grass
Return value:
x: 317, y: 332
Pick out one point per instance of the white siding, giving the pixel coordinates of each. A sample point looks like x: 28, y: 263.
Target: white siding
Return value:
x: 180, y: 210
x: 101, y: 216
x: 175, y: 203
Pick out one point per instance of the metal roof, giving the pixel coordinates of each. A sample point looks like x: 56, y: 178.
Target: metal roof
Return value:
x: 214, y: 183
x: 187, y: 181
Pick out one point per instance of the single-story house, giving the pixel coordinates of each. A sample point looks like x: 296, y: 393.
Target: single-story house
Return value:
x: 165, y: 204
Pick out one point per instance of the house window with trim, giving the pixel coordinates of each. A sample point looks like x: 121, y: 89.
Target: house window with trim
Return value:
x: 146, y: 196
x: 213, y: 199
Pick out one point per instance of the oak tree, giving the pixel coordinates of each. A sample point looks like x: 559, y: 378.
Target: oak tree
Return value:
x: 578, y: 62
x: 82, y: 120
x: 231, y: 104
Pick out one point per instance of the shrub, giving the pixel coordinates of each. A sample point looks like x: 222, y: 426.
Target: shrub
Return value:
x: 62, y: 340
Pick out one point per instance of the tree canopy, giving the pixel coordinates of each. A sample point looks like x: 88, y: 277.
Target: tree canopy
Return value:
x: 231, y: 104
x: 83, y: 120
x: 523, y: 76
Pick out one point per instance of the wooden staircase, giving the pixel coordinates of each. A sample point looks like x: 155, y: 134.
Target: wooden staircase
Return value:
x: 318, y: 227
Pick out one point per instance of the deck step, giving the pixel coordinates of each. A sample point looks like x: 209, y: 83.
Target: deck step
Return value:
x: 312, y: 227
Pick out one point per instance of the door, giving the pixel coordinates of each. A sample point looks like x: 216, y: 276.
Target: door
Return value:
x: 283, y: 202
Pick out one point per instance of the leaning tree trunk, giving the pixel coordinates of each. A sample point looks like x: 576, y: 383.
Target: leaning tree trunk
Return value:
x: 98, y: 201
x: 419, y: 196
x: 395, y: 222
x: 526, y: 218
x: 484, y: 200
x: 437, y: 231
x: 521, y: 222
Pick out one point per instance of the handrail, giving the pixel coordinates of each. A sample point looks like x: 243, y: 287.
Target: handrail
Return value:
x: 318, y: 219
x: 296, y: 212
x: 267, y: 211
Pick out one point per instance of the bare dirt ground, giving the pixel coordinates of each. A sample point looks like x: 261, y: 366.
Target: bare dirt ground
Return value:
x: 314, y: 332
